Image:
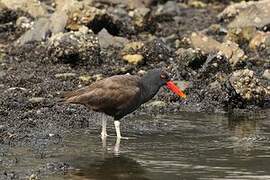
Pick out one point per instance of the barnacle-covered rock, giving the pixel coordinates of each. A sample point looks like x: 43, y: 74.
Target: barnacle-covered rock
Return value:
x: 248, y: 86
x: 79, y: 46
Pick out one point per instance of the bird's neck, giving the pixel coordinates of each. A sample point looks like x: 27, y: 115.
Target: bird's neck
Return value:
x: 149, y: 90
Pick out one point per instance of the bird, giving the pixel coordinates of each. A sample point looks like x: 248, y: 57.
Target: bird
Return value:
x: 120, y: 95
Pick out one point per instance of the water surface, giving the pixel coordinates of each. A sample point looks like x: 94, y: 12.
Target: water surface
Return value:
x: 181, y: 146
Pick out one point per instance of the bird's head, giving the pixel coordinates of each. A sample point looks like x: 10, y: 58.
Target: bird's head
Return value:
x: 161, y: 77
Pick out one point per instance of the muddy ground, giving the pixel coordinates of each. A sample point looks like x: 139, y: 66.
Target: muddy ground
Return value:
x: 33, y: 75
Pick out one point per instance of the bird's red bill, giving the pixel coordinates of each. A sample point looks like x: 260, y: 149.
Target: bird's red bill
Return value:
x: 175, y: 89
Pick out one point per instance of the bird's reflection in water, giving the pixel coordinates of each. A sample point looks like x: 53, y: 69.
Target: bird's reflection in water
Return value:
x: 110, y: 167
x: 245, y: 132
x: 242, y: 126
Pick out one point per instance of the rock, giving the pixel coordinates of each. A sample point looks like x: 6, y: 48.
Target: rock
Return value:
x: 24, y: 22
x: 241, y: 35
x: 44, y: 27
x: 255, y: 14
x: 248, y: 86
x: 58, y: 21
x: 142, y: 72
x: 6, y: 15
x: 132, y: 47
x: 230, y: 49
x: 35, y: 100
x: 156, y: 50
x: 85, y: 78
x: 215, y: 65
x: 34, y: 7
x: 133, y: 58
x: 234, y: 9
x: 266, y: 74
x: 3, y: 128
x: 260, y: 40
x: 197, y: 4
x: 170, y: 8
x: 156, y: 104
x: 84, y: 16
x: 80, y: 46
x: 192, y: 58
x: 216, y: 29
x: 106, y: 40
x: 2, y: 73
x: 65, y: 75
x: 98, y: 77
x: 131, y: 4
x: 140, y: 16
x: 2, y: 56
x: 39, y: 32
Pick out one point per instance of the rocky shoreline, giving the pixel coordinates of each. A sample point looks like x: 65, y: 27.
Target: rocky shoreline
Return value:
x: 217, y: 55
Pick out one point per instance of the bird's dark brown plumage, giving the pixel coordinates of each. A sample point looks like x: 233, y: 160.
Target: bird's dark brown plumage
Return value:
x: 115, y: 96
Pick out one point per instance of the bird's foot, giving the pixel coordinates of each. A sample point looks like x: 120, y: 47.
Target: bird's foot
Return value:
x: 125, y: 138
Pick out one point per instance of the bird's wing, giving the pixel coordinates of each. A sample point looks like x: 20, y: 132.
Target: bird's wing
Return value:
x: 110, y: 94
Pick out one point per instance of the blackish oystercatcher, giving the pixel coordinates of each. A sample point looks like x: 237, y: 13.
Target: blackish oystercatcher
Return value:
x: 120, y: 95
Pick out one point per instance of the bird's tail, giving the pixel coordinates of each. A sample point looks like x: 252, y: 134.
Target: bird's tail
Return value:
x: 64, y: 96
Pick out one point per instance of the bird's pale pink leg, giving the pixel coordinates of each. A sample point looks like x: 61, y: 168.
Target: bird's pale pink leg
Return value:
x: 118, y: 133
x: 117, y: 128
x: 104, y: 130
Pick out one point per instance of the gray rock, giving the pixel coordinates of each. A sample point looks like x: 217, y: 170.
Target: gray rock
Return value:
x: 39, y: 32
x: 58, y: 21
x: 83, y: 15
x: 192, y: 58
x: 140, y: 16
x: 24, y: 22
x: 79, y: 46
x: 131, y: 4
x: 106, y: 40
x: 156, y: 50
x: 208, y: 45
x: 44, y: 27
x: 169, y: 8
x: 33, y: 7
x: 2, y: 74
x: 248, y: 14
x: 266, y: 74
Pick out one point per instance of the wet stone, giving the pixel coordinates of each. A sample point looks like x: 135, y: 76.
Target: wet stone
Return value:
x: 33, y: 7
x: 74, y: 47
x: 192, y: 58
x: 106, y: 40
x: 156, y: 50
x: 266, y: 74
x: 140, y: 16
x: 258, y: 13
x: 208, y: 45
x: 170, y: 8
x: 133, y: 58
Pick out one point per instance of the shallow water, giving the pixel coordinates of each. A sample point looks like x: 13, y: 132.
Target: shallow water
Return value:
x: 183, y: 146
